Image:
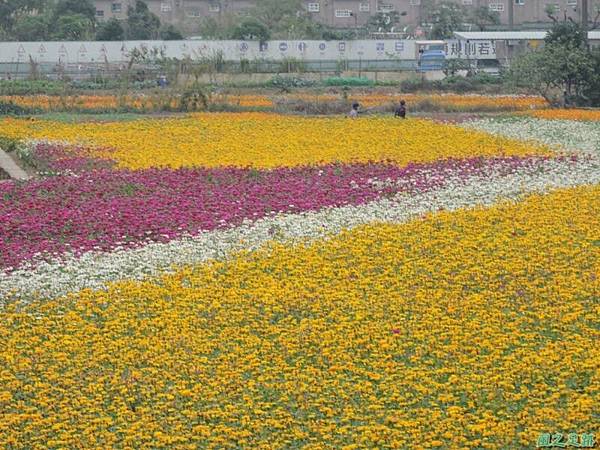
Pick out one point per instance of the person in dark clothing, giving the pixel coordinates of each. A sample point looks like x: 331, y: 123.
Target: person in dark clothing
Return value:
x: 354, y: 111
x: 401, y: 110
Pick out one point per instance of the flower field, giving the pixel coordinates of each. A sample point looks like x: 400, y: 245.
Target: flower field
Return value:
x: 264, y: 140
x: 261, y: 281
x: 156, y: 101
x: 567, y: 114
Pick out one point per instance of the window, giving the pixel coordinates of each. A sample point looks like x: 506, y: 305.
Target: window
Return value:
x: 467, y: 2
x: 572, y: 2
x: 415, y: 2
x: 385, y: 7
x: 314, y: 7
x: 115, y: 7
x: 343, y: 13
x: 214, y: 7
x: 194, y: 14
x: 364, y: 7
x: 522, y: 2
x: 165, y: 7
x: 99, y: 13
x: 497, y: 7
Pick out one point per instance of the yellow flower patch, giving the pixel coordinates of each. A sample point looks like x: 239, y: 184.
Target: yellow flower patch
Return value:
x: 463, y: 330
x: 269, y: 140
x: 592, y: 115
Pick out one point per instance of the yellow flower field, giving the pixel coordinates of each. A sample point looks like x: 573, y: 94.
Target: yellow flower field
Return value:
x: 269, y: 140
x: 567, y: 114
x: 474, y: 329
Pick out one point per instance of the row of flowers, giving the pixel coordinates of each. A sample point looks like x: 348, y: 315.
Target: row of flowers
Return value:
x: 580, y: 136
x: 264, y: 140
x: 592, y: 115
x: 466, y: 329
x: 105, y: 208
x: 67, y: 233
x: 155, y: 101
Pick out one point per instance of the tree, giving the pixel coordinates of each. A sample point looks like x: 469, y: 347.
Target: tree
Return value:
x: 209, y: 28
x: 251, y: 29
x: 566, y: 33
x: 564, y: 68
x: 11, y: 10
x: 31, y: 28
x: 70, y: 7
x: 552, y: 12
x: 141, y: 23
x: 446, y: 18
x: 383, y: 21
x: 484, y: 16
x: 170, y: 33
x: 111, y: 30
x: 592, y: 90
x: 272, y: 13
x: 73, y: 27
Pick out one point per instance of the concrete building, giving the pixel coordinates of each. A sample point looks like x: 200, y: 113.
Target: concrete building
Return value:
x: 349, y: 13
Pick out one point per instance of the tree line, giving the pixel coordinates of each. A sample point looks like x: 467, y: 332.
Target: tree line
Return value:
x: 75, y: 20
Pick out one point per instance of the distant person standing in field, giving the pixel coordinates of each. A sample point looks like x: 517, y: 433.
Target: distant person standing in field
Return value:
x: 354, y: 111
x: 401, y: 110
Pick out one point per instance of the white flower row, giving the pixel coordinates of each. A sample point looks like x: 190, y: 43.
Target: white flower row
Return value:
x: 571, y: 135
x: 95, y: 269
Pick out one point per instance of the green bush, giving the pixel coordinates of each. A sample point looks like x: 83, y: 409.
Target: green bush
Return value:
x: 30, y: 87
x: 12, y: 109
x: 289, y: 82
x: 348, y: 81
x: 9, y: 144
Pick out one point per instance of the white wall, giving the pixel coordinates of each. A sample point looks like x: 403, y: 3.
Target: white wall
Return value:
x: 115, y: 52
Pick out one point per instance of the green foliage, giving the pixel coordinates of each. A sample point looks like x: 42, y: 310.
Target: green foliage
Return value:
x: 446, y: 18
x: 170, y: 33
x: 348, y: 81
x: 484, y: 16
x: 591, y: 91
x: 452, y: 66
x: 383, y: 21
x: 141, y: 23
x: 286, y: 83
x: 251, y: 29
x: 73, y: 27
x: 210, y: 28
x: 69, y: 7
x: 193, y: 98
x: 10, y: 10
x: 563, y: 71
x: 31, y: 28
x: 111, y: 30
x: 9, y: 144
x: 332, y: 34
x: 456, y: 84
x: 291, y: 65
x: 568, y: 34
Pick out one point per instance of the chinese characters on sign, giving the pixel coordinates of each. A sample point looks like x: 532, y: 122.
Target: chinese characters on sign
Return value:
x: 559, y: 440
x: 470, y: 49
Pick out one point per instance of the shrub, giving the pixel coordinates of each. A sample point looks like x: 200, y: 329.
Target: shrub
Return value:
x: 348, y: 81
x: 289, y: 82
x: 10, y: 108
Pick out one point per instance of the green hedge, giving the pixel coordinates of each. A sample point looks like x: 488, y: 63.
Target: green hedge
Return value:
x: 348, y: 81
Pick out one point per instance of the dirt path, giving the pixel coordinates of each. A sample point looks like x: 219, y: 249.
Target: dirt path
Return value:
x: 11, y: 168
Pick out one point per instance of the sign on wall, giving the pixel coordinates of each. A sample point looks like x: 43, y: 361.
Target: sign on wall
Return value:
x: 118, y: 52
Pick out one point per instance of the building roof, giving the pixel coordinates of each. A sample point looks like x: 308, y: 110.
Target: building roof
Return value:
x: 511, y: 35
